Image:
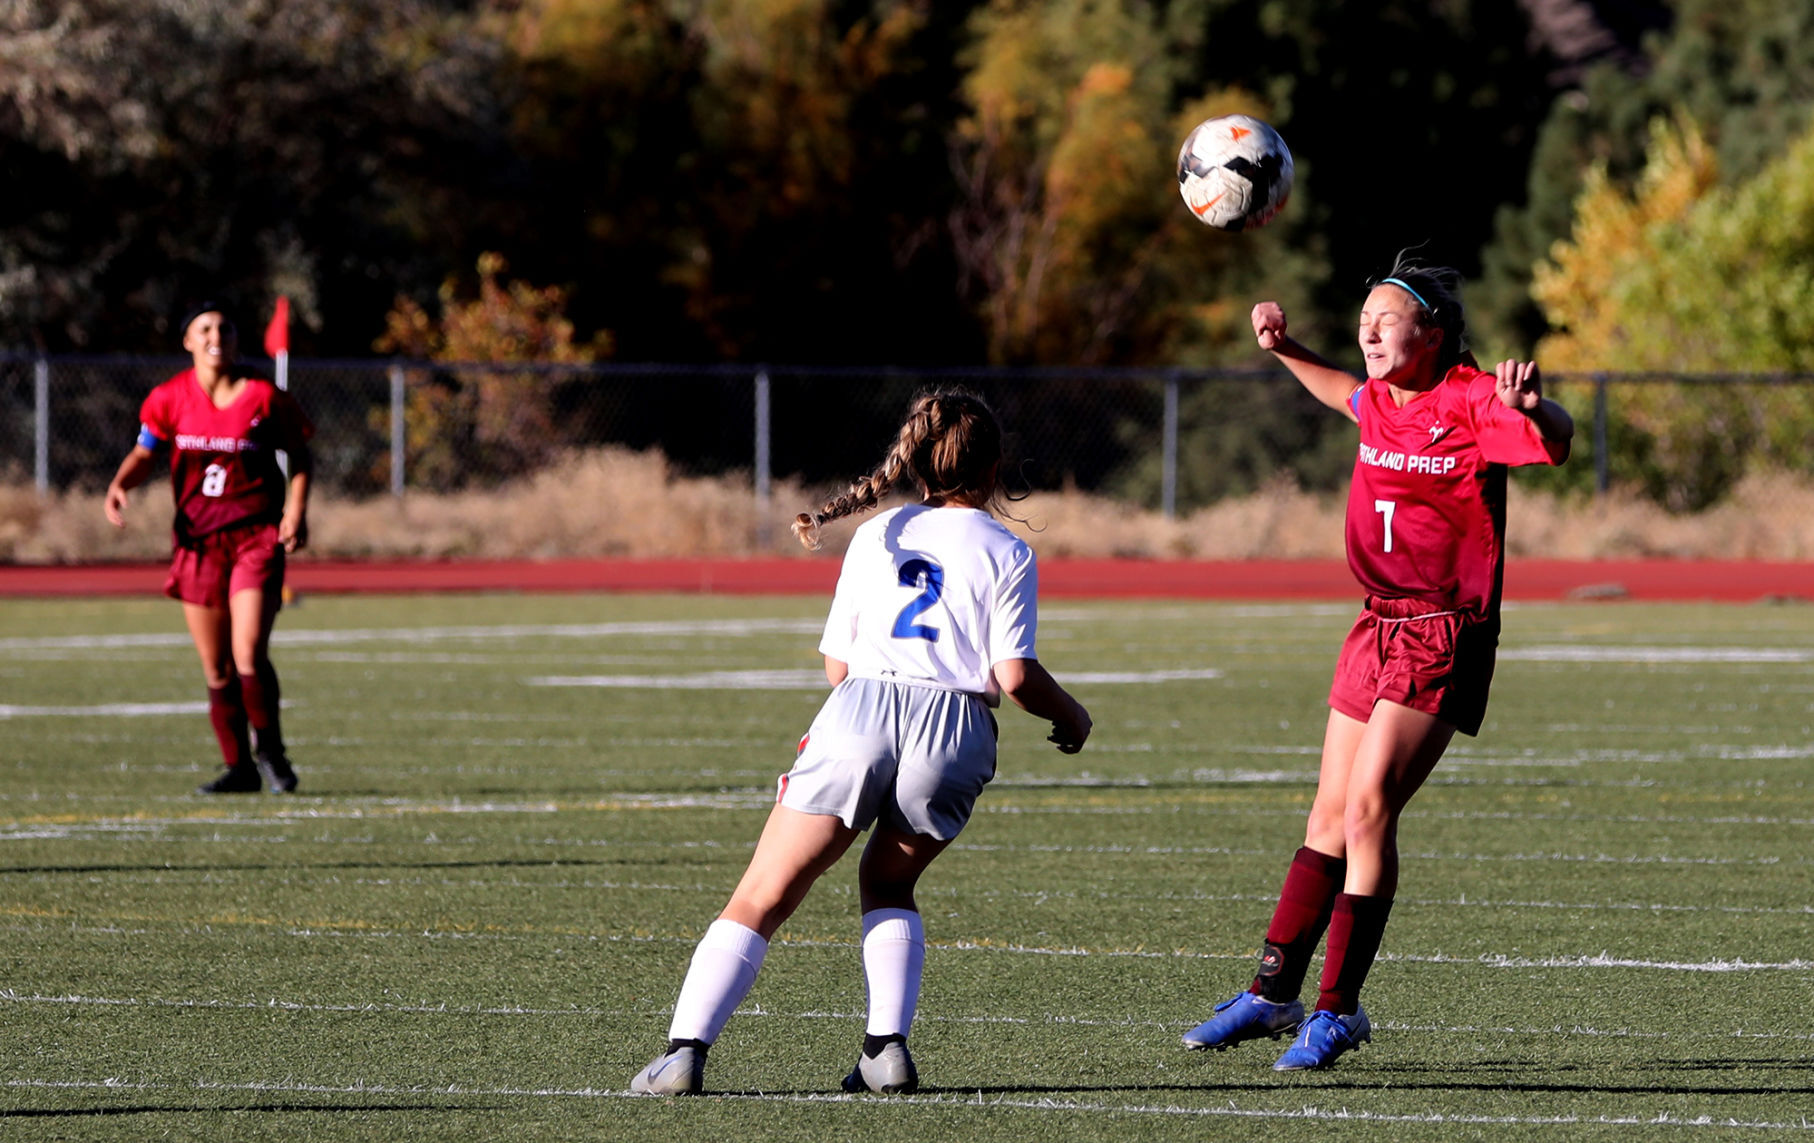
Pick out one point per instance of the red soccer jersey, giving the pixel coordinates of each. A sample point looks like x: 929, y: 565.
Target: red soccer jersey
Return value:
x: 223, y: 462
x: 1426, y: 511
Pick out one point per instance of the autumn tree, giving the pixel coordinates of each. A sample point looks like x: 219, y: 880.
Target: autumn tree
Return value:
x: 465, y: 422
x: 758, y: 179
x: 1684, y: 275
x: 159, y: 151
x: 1742, y: 69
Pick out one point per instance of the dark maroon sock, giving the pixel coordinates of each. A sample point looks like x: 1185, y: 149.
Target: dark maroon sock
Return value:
x: 1355, y: 927
x: 1311, y: 885
x: 262, y: 700
x: 227, y: 713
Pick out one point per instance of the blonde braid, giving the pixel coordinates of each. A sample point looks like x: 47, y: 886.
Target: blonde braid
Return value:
x: 867, y: 491
x: 950, y: 445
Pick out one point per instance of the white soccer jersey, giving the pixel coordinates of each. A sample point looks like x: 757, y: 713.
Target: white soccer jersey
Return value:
x: 933, y: 596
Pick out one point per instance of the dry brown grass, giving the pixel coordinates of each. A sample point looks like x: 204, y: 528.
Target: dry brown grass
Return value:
x: 615, y: 503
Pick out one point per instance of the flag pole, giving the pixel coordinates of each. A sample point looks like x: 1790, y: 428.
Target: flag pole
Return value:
x: 277, y: 340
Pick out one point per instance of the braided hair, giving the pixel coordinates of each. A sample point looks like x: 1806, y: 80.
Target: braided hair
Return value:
x: 950, y: 446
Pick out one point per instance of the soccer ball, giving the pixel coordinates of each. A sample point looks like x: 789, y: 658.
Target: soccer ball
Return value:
x: 1234, y: 172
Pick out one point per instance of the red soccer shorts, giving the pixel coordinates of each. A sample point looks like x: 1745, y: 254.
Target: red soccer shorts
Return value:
x: 217, y: 565
x: 1417, y: 655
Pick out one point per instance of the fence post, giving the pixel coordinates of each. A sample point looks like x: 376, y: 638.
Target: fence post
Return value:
x: 396, y: 376
x: 1602, y: 470
x: 1168, y: 457
x: 762, y: 461
x: 41, y: 426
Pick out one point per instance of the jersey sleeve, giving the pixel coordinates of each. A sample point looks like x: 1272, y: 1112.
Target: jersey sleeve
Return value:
x: 1505, y: 435
x: 156, y: 420
x: 1014, y: 620
x: 841, y: 625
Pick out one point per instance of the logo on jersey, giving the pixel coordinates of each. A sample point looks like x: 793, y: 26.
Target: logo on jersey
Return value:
x: 1439, y: 431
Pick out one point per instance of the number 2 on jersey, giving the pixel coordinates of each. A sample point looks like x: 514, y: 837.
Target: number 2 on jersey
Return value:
x: 1386, y: 508
x: 930, y: 579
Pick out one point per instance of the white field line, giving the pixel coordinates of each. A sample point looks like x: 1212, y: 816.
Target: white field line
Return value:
x: 304, y: 637
x: 814, y: 680
x: 591, y: 885
x: 956, y: 1099
x: 1011, y: 948
x: 104, y: 710
x: 1570, y: 653
x: 1038, y: 1019
x: 59, y: 826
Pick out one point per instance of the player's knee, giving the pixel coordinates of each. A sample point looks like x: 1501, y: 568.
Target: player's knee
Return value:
x: 1367, y: 820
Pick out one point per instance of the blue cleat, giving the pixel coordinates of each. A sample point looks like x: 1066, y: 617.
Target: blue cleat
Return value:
x: 1323, y: 1039
x: 1246, y: 1017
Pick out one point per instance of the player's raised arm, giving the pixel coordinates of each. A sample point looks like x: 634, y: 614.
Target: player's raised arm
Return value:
x: 1326, y: 382
x: 1520, y: 386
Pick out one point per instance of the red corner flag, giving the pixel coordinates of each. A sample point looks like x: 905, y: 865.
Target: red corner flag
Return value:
x: 277, y: 334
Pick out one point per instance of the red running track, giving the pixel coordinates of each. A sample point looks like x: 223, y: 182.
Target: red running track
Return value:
x: 1728, y: 581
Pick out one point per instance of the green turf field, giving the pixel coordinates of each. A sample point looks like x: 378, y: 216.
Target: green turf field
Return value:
x: 518, y: 813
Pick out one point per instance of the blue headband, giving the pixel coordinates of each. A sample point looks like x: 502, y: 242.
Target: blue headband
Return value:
x: 1406, y: 287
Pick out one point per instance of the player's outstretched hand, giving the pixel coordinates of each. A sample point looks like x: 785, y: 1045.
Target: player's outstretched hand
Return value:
x: 1269, y: 325
x: 293, y: 532
x: 115, y: 506
x: 1519, y: 385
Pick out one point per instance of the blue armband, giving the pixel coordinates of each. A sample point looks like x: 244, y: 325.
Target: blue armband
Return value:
x: 148, y: 439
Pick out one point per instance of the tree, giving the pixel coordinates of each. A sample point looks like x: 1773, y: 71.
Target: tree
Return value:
x: 1685, y: 275
x: 469, y: 423
x: 1742, y: 69
x: 160, y: 151
x: 762, y: 178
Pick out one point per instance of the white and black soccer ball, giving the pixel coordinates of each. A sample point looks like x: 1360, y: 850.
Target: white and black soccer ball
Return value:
x: 1234, y: 172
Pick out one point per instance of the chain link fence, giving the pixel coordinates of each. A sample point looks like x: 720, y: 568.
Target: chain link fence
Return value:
x: 1167, y: 440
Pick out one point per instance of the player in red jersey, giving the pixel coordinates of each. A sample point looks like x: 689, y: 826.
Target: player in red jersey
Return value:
x: 1426, y: 540
x: 237, y: 517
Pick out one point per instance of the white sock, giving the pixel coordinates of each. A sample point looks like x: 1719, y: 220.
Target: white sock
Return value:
x: 723, y: 969
x: 894, y: 955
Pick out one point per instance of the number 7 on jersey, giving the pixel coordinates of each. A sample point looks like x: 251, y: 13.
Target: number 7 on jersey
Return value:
x: 1386, y: 508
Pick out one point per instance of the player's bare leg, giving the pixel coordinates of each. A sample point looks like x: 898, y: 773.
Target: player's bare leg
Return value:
x: 211, y: 630
x: 1325, y: 831
x: 794, y: 850
x: 1394, y: 756
x: 1271, y: 1007
x: 894, y: 956
x: 254, y: 613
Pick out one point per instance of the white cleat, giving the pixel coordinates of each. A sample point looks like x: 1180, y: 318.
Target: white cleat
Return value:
x: 891, y: 1072
x: 679, y: 1072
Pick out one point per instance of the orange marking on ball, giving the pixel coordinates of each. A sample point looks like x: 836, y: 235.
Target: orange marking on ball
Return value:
x: 1201, y: 210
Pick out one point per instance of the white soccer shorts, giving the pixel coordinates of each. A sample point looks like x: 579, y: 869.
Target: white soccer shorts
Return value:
x: 913, y: 757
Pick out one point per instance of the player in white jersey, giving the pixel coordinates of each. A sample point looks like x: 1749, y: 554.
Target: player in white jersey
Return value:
x: 933, y: 620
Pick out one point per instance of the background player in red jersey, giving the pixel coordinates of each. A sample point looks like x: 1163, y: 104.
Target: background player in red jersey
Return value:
x: 237, y: 516
x: 1426, y: 540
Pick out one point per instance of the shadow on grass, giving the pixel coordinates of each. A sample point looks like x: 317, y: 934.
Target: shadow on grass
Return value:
x: 1597, y: 1079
